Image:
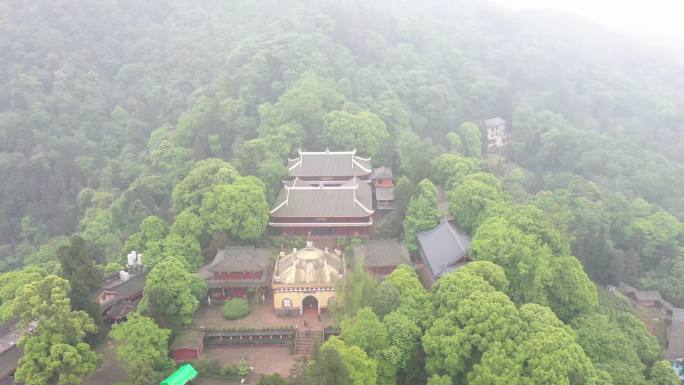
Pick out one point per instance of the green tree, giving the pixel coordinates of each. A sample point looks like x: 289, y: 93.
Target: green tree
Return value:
x: 415, y: 156
x: 355, y: 290
x: 471, y: 137
x: 142, y: 349
x: 365, y: 330
x: 305, y: 103
x: 470, y: 199
x: 170, y: 294
x: 189, y: 192
x: 327, y: 367
x: 571, y: 292
x: 55, y: 351
x: 455, y: 143
x: 185, y: 248
x: 421, y: 215
x: 77, y: 261
x: 451, y: 169
x: 240, y: 209
x: 387, y: 298
x: 186, y: 224
x: 363, y: 131
x: 404, y: 189
x: 525, y: 260
x: 11, y: 285
x: 609, y: 348
x: 662, y: 373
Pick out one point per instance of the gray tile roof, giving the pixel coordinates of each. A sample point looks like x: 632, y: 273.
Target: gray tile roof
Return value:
x: 442, y: 248
x: 329, y: 164
x: 240, y: 259
x: 190, y: 339
x: 382, y: 172
x: 299, y: 199
x: 382, y: 253
x: 124, y: 289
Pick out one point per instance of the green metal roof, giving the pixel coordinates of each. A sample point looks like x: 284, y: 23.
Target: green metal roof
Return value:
x: 181, y: 376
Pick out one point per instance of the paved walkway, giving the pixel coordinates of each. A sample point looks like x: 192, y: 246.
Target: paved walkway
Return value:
x: 109, y: 373
x: 259, y: 316
x: 264, y: 359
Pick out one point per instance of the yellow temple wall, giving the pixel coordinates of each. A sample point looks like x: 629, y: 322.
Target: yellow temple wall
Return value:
x: 297, y: 297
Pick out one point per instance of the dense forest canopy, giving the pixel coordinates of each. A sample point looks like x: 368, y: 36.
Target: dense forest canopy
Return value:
x: 136, y: 125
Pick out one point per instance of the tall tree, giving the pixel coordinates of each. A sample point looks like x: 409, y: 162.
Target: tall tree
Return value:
x: 470, y: 199
x: 189, y: 193
x: 142, y: 349
x: 11, y: 285
x: 78, y: 267
x: 662, y: 373
x: 471, y: 137
x: 171, y: 294
x: 240, y: 209
x: 421, y: 215
x: 55, y: 352
x: 363, y: 131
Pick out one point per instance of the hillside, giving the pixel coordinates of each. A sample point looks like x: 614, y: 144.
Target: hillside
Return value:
x: 132, y: 124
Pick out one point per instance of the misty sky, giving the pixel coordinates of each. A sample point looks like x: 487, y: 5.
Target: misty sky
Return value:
x: 662, y: 18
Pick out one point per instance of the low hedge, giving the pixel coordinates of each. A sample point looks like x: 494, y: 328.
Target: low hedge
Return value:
x: 235, y: 308
x: 213, y: 368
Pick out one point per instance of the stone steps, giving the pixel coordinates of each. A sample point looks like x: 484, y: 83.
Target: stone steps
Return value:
x: 305, y: 344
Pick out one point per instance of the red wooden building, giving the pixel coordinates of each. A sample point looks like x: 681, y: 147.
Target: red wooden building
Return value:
x: 316, y: 208
x: 382, y: 256
x: 237, y: 272
x: 187, y: 346
x: 331, y: 167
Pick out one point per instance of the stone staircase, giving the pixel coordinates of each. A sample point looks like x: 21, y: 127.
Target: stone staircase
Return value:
x: 252, y: 378
x: 305, y: 344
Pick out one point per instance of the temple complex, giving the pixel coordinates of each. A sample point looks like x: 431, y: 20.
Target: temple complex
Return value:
x: 304, y: 281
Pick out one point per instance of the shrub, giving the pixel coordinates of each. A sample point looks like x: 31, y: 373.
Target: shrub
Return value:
x: 235, y: 308
x: 230, y: 370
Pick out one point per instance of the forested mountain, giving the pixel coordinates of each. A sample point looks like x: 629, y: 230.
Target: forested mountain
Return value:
x: 130, y: 122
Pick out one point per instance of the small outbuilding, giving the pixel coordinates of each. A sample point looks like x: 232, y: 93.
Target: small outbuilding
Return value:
x: 187, y: 346
x: 120, y: 295
x: 383, y: 182
x: 382, y: 256
x: 442, y: 249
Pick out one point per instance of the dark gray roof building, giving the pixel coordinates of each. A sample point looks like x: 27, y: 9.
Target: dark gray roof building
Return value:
x: 300, y: 199
x: 241, y: 259
x: 382, y: 256
x: 442, y: 250
x: 329, y: 164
